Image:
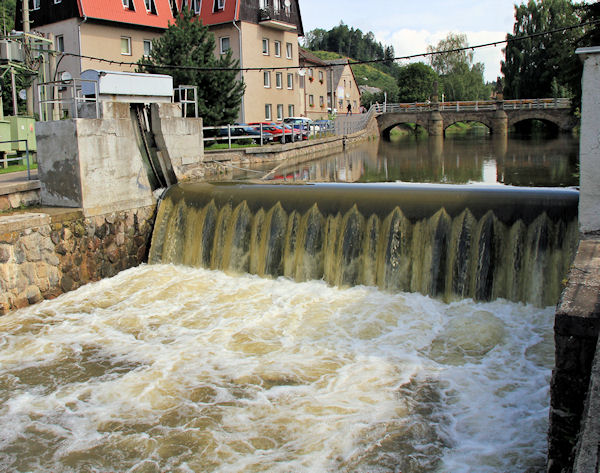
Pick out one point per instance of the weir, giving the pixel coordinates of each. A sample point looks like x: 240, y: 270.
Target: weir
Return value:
x: 450, y: 242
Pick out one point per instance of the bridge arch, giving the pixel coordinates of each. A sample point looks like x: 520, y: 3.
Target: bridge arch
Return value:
x: 560, y: 122
x: 388, y: 121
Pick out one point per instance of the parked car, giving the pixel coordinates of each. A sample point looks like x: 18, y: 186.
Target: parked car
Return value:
x: 243, y: 130
x: 278, y: 132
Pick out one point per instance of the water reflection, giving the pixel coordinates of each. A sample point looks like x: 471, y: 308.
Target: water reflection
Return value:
x: 460, y: 159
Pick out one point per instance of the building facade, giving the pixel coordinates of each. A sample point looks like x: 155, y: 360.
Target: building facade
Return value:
x: 344, y: 94
x: 315, y: 78
x: 115, y: 34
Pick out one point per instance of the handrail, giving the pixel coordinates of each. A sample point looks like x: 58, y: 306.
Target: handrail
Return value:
x: 20, y: 159
x: 474, y: 105
x: 65, y: 95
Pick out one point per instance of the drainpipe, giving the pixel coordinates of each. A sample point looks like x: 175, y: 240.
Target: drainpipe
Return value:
x: 236, y: 15
x: 242, y: 108
x: 85, y: 18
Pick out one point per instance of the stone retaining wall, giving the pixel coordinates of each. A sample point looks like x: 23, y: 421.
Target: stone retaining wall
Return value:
x: 43, y: 255
x: 18, y: 195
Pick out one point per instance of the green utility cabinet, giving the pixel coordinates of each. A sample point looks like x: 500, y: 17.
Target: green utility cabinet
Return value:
x: 22, y: 128
x: 5, y: 136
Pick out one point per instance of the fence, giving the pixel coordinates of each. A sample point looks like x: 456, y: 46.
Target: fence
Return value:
x: 64, y: 98
x: 231, y: 133
x: 483, y: 105
x: 353, y: 123
x: 19, y: 158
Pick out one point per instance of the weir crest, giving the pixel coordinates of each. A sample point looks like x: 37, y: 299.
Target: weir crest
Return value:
x: 450, y: 242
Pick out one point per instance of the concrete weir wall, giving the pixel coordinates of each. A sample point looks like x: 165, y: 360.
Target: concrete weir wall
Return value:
x: 574, y: 433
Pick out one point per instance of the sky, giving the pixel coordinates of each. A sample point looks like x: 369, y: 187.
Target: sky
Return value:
x: 410, y: 26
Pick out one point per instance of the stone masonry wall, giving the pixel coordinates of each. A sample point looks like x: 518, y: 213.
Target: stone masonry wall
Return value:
x: 43, y: 256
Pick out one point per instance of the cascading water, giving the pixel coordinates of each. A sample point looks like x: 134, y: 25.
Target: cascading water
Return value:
x: 445, y: 241
x: 170, y: 368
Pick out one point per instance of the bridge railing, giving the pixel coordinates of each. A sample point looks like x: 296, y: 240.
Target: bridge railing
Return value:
x: 478, y: 105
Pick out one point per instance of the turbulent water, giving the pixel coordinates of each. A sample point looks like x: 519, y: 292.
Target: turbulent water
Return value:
x: 167, y: 368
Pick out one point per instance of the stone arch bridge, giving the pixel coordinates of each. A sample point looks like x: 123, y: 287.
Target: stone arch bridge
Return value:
x: 498, y: 116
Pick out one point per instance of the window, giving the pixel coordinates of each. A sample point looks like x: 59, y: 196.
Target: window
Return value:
x: 196, y: 4
x: 321, y: 77
x: 265, y: 46
x: 290, y: 81
x: 310, y: 73
x: 268, y: 112
x: 147, y: 48
x: 219, y: 5
x: 225, y: 44
x: 321, y: 101
x: 56, y: 2
x: 59, y: 43
x: 150, y: 8
x: 301, y: 84
x: 288, y: 50
x: 35, y: 5
x: 277, y: 45
x: 279, y: 80
x: 290, y: 110
x: 267, y: 79
x: 126, y: 45
x: 311, y: 100
x: 128, y: 4
x: 279, y: 112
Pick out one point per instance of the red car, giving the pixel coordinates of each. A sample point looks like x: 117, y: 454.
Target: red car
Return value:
x: 278, y: 132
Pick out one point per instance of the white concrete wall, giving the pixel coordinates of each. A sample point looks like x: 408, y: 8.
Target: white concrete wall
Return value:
x: 589, y: 151
x: 93, y: 164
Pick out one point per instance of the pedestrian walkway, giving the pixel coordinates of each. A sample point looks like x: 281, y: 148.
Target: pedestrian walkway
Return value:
x: 17, y: 182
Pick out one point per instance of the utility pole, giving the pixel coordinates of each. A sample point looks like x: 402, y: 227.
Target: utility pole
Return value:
x: 26, y: 30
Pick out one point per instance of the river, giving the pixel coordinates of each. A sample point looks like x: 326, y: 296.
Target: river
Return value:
x: 179, y: 369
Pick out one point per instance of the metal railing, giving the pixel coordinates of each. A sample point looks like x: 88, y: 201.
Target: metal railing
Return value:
x: 297, y: 133
x: 477, y: 105
x: 19, y: 158
x: 64, y: 98
x: 181, y: 95
x: 353, y: 123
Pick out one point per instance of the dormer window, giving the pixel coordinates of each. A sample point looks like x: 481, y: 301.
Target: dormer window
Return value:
x: 128, y: 4
x: 150, y: 6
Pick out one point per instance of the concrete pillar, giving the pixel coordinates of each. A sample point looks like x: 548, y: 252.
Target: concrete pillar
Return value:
x: 436, y: 124
x: 589, y: 147
x: 500, y: 120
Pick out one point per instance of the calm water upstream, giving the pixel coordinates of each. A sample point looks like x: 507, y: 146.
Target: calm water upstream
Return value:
x: 167, y: 368
x: 460, y: 159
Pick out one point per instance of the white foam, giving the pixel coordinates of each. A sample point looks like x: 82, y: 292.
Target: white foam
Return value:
x: 196, y: 370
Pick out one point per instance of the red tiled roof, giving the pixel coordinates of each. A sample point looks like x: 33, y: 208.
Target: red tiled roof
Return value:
x: 113, y: 10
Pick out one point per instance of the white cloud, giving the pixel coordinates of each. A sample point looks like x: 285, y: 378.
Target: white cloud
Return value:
x: 408, y: 42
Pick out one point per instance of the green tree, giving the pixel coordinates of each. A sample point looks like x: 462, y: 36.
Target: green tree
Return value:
x: 415, y: 82
x: 543, y: 65
x: 460, y: 78
x: 186, y: 46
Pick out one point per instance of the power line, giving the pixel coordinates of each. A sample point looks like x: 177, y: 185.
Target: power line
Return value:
x: 351, y: 63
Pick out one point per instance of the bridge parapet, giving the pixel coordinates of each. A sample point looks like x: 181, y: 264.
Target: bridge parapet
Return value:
x: 498, y: 116
x: 477, y: 105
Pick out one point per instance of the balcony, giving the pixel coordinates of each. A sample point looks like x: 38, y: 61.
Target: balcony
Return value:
x: 277, y: 18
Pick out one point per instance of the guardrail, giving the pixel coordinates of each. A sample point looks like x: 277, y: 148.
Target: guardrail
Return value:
x: 63, y: 98
x: 20, y: 158
x: 465, y: 106
x: 297, y: 133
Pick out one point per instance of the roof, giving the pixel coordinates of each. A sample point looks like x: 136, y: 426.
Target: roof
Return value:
x: 113, y: 10
x: 307, y: 56
x: 338, y: 69
x: 161, y: 17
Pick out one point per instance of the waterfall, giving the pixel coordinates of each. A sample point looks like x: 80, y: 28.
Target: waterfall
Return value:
x: 449, y: 242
